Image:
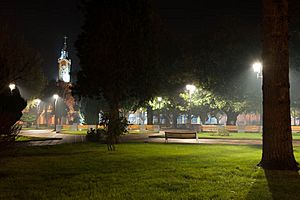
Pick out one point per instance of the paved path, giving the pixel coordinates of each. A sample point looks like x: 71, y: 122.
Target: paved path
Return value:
x: 57, y: 138
x: 54, y: 138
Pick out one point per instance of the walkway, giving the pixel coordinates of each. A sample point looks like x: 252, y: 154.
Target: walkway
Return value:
x: 56, y: 138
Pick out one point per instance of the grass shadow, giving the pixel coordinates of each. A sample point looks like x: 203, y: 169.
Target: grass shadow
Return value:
x: 276, y: 185
x: 283, y: 184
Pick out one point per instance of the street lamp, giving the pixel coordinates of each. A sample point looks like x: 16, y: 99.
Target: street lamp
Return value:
x: 37, y: 102
x: 257, y: 68
x: 159, y: 99
x: 55, y: 96
x: 191, y: 89
x: 12, y: 86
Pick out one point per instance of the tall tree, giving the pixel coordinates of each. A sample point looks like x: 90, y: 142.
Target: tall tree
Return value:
x: 119, y: 51
x: 277, y: 138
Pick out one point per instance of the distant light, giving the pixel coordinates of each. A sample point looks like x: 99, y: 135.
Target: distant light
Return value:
x: 159, y: 99
x: 257, y: 67
x: 37, y: 101
x: 12, y: 86
x: 191, y: 88
x: 55, y: 96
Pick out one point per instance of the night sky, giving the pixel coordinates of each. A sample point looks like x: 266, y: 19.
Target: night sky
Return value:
x: 43, y: 24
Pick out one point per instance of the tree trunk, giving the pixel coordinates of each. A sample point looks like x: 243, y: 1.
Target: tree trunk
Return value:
x: 277, y: 138
x: 174, y: 120
x: 113, y: 127
x: 203, y: 117
x: 231, y: 117
x: 149, y: 115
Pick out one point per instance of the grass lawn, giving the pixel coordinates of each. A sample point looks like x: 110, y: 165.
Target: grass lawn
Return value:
x: 142, y: 171
x: 78, y: 132
x: 141, y: 132
x: 27, y: 139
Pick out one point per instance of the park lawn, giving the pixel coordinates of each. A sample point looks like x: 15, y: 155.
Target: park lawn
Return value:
x: 78, y: 132
x: 258, y: 136
x: 142, y: 171
x: 22, y: 138
x: 141, y: 131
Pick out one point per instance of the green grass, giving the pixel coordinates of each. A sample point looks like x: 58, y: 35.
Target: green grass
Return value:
x: 141, y: 132
x: 78, y: 132
x: 142, y: 171
x: 258, y: 136
x: 27, y: 139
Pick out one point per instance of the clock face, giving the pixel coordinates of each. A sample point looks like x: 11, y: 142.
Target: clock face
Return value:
x: 64, y: 73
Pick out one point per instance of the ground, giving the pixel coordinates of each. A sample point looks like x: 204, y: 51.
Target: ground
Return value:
x: 142, y: 171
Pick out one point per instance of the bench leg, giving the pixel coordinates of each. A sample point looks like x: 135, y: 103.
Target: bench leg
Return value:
x: 197, y: 139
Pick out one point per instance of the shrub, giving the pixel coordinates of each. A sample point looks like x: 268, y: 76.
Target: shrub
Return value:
x: 94, y: 135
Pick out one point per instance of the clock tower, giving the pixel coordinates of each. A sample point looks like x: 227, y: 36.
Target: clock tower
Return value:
x: 64, y: 64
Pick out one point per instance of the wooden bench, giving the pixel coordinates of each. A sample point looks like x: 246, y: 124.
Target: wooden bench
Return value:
x: 209, y: 128
x: 295, y: 129
x: 252, y: 129
x: 181, y: 135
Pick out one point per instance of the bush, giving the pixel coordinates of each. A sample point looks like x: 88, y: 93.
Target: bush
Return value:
x: 11, y: 106
x: 8, y: 136
x: 94, y: 135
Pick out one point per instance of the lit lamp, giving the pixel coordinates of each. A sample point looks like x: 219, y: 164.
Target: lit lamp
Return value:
x: 159, y: 99
x: 191, y: 89
x: 55, y: 97
x: 12, y: 86
x: 37, y: 102
x: 257, y: 68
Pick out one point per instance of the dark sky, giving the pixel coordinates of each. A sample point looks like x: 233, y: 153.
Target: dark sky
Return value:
x: 43, y: 23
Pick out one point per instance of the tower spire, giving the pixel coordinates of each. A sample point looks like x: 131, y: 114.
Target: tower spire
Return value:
x: 65, y: 43
x: 64, y: 51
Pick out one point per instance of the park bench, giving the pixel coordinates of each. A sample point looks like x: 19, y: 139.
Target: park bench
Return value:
x: 295, y: 129
x: 231, y: 128
x: 181, y: 135
x: 252, y: 129
x: 209, y: 128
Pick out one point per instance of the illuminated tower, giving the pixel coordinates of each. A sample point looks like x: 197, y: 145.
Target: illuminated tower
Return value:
x: 64, y: 64
x: 64, y: 82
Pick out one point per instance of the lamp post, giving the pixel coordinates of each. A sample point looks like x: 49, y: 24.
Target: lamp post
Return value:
x: 159, y: 99
x: 257, y: 68
x: 191, y: 89
x: 37, y: 101
x: 55, y: 96
x: 12, y: 86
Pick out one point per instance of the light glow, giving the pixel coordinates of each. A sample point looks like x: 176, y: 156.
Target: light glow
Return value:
x: 191, y: 88
x: 12, y: 86
x: 55, y: 96
x: 37, y: 101
x: 257, y: 67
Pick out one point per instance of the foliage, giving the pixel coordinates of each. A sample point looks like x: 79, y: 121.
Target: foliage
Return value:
x: 94, y: 135
x: 28, y: 118
x: 91, y: 108
x: 11, y: 106
x: 122, y: 52
x: 113, y: 128
x: 19, y: 64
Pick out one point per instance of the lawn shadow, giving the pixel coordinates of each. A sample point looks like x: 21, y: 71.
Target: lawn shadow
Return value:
x: 283, y: 184
x: 276, y: 184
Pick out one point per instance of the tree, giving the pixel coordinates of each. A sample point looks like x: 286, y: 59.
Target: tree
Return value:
x: 277, y: 138
x: 11, y: 106
x: 19, y: 64
x: 119, y: 51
